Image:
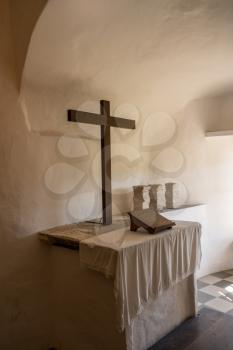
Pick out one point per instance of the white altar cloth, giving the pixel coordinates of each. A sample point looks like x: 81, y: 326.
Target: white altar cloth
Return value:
x: 143, y: 265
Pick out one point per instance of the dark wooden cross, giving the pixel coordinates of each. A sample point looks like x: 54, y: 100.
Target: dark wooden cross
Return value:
x: 106, y: 122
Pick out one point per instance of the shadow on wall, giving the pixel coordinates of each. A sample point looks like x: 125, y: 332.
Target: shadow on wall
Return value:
x: 25, y: 284
x: 24, y: 15
x: 214, y: 110
x: 214, y: 113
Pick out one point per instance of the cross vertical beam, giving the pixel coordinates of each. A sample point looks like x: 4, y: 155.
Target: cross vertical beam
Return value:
x: 105, y: 121
x: 106, y: 165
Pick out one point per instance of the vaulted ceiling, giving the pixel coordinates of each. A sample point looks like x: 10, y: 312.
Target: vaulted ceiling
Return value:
x: 155, y: 51
x: 24, y: 15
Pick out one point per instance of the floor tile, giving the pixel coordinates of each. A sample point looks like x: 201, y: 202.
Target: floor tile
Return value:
x: 200, y: 306
x: 210, y: 279
x: 203, y: 297
x: 201, y: 284
x: 230, y: 279
x: 221, y: 274
x: 230, y: 272
x: 223, y: 284
x: 219, y: 305
x: 215, y: 291
x: 227, y: 297
x: 229, y: 289
x: 230, y: 312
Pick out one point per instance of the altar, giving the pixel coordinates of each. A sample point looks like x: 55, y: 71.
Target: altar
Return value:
x: 134, y: 287
x: 144, y: 284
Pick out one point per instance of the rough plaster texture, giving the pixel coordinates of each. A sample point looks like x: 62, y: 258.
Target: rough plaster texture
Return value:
x: 166, y: 63
x: 24, y: 15
x: 152, y: 54
x: 24, y: 297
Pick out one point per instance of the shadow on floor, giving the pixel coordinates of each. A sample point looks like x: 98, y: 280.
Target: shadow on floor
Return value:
x: 211, y: 330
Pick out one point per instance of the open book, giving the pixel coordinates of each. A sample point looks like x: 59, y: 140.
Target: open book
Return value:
x: 150, y: 220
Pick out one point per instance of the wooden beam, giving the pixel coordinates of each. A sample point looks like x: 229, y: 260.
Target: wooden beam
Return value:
x: 105, y: 121
x: 106, y: 165
x: 96, y: 119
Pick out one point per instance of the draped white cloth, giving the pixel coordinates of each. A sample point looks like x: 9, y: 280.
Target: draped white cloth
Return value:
x: 143, y: 265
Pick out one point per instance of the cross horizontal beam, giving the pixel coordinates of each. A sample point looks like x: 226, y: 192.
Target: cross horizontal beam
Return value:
x: 99, y: 119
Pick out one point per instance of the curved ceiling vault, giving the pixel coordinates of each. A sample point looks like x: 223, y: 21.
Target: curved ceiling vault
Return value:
x: 24, y: 15
x: 161, y: 53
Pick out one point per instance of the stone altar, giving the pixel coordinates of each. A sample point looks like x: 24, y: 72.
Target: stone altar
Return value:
x: 171, y: 300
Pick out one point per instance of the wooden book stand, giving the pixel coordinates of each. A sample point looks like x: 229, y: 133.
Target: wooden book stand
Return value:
x: 150, y: 220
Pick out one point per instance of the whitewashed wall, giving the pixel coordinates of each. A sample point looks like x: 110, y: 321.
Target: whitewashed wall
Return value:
x: 152, y: 72
x: 68, y: 65
x: 24, y: 267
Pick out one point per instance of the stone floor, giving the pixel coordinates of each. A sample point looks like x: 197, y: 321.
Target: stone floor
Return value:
x: 211, y: 330
x: 215, y: 291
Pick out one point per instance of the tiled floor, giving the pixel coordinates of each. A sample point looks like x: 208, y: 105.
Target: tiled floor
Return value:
x: 216, y: 292
x: 212, y: 330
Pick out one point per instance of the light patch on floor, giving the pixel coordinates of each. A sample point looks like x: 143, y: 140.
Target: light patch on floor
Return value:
x: 216, y: 293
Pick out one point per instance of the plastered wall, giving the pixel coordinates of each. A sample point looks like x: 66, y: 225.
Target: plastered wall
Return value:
x: 50, y: 176
x: 164, y: 64
x: 24, y: 280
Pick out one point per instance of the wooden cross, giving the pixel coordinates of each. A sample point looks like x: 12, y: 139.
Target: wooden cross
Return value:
x: 106, y: 122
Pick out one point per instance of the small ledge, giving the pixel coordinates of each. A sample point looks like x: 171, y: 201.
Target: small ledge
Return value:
x: 188, y: 206
x: 219, y: 133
